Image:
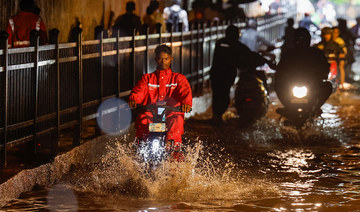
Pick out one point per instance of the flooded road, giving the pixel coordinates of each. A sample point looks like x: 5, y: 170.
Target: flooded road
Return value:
x: 268, y: 167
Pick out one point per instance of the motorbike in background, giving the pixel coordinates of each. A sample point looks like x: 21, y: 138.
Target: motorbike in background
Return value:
x: 333, y: 73
x: 251, y: 96
x: 300, y: 98
x: 252, y: 91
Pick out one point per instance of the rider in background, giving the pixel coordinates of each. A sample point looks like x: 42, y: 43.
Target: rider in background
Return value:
x: 229, y: 56
x: 303, y: 63
x: 166, y: 86
x: 288, y: 36
x: 252, y: 38
x: 337, y: 39
x: 332, y: 51
x: 306, y: 22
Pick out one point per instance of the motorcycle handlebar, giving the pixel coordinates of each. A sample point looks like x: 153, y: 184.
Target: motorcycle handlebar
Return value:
x: 152, y: 106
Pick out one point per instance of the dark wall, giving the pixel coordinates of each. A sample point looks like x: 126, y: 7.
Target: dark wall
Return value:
x: 6, y: 7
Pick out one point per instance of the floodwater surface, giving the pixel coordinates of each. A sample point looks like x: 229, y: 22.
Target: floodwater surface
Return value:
x: 267, y: 167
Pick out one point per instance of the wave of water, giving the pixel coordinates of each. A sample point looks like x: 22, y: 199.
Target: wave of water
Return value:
x: 202, y: 176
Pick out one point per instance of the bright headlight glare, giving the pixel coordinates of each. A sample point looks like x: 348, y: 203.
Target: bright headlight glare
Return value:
x: 155, y: 145
x: 300, y: 92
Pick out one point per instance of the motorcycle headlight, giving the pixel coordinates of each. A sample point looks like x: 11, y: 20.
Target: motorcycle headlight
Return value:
x: 300, y: 92
x: 155, y: 145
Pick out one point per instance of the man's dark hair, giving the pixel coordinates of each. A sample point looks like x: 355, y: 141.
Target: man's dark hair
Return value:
x: 163, y: 48
x: 342, y: 23
x: 27, y: 5
x: 358, y: 19
x: 290, y: 22
x: 232, y: 32
x: 155, y: 4
x: 302, y: 37
x: 178, y: 2
x: 130, y: 6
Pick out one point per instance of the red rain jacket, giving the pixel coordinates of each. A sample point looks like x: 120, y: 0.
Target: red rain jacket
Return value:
x: 162, y: 85
x: 19, y: 27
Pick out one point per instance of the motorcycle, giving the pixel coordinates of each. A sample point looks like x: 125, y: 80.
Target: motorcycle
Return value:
x: 251, y: 96
x: 154, y: 149
x: 333, y: 74
x: 300, y: 100
x: 252, y: 90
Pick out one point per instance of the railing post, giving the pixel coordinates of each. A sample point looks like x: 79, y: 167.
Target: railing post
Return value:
x: 181, y: 51
x: 202, y: 56
x: 191, y: 59
x: 197, y: 57
x: 32, y: 148
x: 4, y: 89
x: 53, y: 39
x: 147, y: 51
x: 133, y: 58
x: 217, y: 30
x: 171, y: 37
x: 118, y: 62
x: 101, y: 66
x: 160, y: 33
x: 78, y: 130
x: 101, y: 78
x: 210, y: 40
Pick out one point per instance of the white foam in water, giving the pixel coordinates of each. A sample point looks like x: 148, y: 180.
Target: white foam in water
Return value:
x: 202, y: 176
x: 114, y: 116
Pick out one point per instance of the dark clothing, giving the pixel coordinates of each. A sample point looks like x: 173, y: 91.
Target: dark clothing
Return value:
x: 306, y: 22
x: 306, y: 61
x: 355, y: 30
x: 330, y: 49
x: 349, y: 39
x: 306, y: 64
x: 126, y: 23
x: 228, y: 57
x: 289, y: 41
x: 234, y: 12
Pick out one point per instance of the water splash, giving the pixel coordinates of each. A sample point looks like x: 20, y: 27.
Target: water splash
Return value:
x: 204, y: 175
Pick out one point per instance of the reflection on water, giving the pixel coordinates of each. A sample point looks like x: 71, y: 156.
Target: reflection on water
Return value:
x: 267, y: 168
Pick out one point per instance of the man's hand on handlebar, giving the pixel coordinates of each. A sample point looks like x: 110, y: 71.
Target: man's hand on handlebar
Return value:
x: 185, y: 108
x: 132, y: 104
x: 272, y: 64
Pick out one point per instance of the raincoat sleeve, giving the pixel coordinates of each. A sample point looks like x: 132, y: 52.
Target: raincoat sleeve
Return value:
x: 184, y: 91
x: 140, y: 91
x: 9, y: 30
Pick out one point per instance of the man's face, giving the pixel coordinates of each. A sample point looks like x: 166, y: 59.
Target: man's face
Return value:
x: 336, y: 33
x: 327, y: 37
x: 163, y: 61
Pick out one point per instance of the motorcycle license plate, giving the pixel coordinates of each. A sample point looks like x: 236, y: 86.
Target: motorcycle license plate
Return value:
x: 157, y: 127
x: 299, y: 101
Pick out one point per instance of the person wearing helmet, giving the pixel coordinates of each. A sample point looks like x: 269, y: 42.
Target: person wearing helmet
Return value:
x: 337, y: 39
x: 306, y: 63
x: 252, y: 38
x: 328, y: 46
x: 229, y: 56
x: 332, y: 51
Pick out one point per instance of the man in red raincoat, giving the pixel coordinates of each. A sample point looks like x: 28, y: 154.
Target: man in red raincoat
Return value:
x: 20, y: 26
x: 162, y: 85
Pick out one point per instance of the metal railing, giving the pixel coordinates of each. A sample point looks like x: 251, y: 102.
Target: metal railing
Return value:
x: 46, y: 89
